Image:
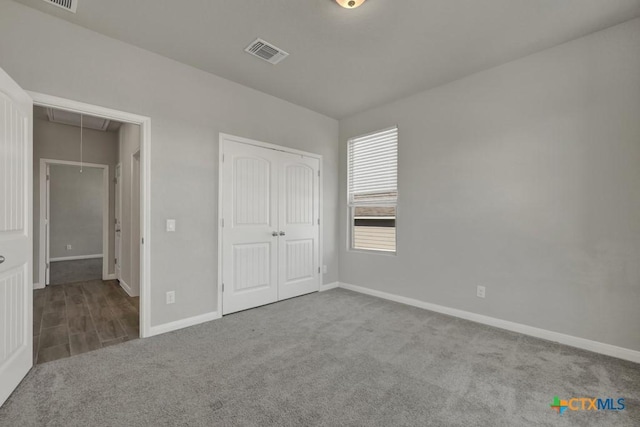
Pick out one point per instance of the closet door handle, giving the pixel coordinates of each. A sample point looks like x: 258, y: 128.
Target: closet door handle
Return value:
x: 1, y: 259
x: 274, y: 234
x: 281, y: 233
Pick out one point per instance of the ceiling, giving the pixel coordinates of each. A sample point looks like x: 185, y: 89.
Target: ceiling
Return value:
x: 73, y: 119
x: 346, y: 61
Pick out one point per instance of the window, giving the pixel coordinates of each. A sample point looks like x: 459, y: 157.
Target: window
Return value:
x: 373, y: 190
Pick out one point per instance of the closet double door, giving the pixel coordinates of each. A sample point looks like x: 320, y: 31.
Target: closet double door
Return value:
x: 270, y: 225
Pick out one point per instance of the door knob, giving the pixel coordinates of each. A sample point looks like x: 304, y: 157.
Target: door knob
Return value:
x: 274, y: 234
x: 1, y: 259
x: 281, y: 233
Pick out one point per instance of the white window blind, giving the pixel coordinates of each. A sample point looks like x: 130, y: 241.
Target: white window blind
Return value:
x: 373, y: 168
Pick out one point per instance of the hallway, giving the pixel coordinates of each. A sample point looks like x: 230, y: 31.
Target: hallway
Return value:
x: 75, y: 318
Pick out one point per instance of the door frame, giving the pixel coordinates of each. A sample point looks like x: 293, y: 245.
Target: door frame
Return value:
x: 225, y: 136
x: 117, y: 240
x: 48, y: 101
x: 44, y: 244
x: 135, y: 158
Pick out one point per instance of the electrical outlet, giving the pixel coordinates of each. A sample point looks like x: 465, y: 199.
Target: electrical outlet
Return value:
x: 171, y: 225
x: 480, y: 291
x: 324, y: 269
x: 171, y: 297
x: 68, y: 247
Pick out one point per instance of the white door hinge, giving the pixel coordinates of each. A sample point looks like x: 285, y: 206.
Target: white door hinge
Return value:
x: 223, y: 287
x: 222, y: 222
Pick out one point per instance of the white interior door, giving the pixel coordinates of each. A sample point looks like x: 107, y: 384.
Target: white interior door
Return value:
x: 270, y: 225
x: 16, y: 239
x: 47, y: 225
x: 250, y: 232
x: 118, y: 225
x: 299, y: 214
x: 135, y: 224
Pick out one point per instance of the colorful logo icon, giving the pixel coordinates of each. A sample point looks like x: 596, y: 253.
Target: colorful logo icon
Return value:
x: 587, y: 404
x: 559, y: 405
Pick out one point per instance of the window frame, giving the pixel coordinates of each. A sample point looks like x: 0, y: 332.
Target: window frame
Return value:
x: 352, y: 206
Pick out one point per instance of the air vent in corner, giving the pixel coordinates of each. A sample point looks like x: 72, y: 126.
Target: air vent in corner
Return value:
x: 266, y: 51
x: 68, y: 5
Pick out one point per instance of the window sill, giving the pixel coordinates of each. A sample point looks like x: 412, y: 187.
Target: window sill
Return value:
x: 373, y: 252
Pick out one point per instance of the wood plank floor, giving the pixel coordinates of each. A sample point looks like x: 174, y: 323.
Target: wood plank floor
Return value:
x: 78, y: 270
x: 74, y: 318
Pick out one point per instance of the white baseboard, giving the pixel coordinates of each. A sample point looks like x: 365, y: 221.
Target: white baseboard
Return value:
x: 328, y: 286
x: 75, y: 258
x: 582, y: 343
x: 127, y: 288
x: 111, y: 276
x: 38, y: 286
x: 183, y: 323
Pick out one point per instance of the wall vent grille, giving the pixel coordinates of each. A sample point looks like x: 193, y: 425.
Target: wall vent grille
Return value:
x: 68, y: 5
x: 266, y: 51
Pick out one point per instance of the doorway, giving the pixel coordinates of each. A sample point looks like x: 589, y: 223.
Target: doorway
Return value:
x: 78, y: 310
x: 74, y: 218
x: 270, y: 223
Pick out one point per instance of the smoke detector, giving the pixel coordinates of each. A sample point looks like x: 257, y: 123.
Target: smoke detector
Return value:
x: 68, y: 5
x: 266, y: 51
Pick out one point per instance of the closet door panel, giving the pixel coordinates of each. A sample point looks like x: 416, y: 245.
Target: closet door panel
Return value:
x: 250, y: 214
x: 299, y: 229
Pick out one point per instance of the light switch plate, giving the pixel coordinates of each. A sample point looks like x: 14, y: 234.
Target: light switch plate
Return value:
x: 171, y: 225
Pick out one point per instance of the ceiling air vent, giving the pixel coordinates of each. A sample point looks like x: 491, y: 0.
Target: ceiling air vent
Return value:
x: 68, y: 5
x: 266, y: 51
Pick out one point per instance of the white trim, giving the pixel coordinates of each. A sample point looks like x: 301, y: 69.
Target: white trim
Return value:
x: 126, y: 288
x: 45, y: 202
x: 582, y: 343
x: 329, y: 286
x: 110, y: 276
x: 75, y: 258
x: 268, y: 145
x: 364, y: 135
x: 117, y: 251
x: 49, y: 101
x: 226, y: 136
x: 220, y: 219
x: 183, y: 323
x: 38, y: 286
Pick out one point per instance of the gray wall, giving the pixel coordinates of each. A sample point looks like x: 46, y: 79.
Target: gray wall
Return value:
x: 188, y: 110
x: 75, y: 207
x: 129, y: 144
x: 525, y: 179
x: 61, y: 142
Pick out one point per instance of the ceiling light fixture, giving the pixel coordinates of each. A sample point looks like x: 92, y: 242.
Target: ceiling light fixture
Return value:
x: 350, y: 4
